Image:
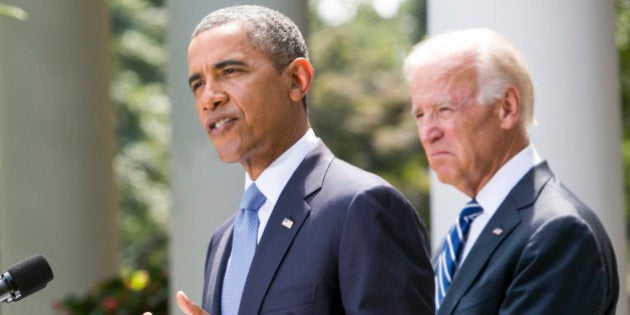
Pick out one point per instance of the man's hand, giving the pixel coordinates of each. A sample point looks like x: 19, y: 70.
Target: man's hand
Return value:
x: 186, y: 305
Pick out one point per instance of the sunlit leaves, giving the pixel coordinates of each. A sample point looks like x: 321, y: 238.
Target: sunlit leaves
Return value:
x: 143, y: 130
x: 360, y: 100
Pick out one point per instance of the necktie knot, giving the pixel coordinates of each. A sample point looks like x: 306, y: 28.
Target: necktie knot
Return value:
x: 252, y: 199
x: 470, y: 211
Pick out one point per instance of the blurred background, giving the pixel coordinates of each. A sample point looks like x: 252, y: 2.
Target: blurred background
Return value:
x: 105, y: 170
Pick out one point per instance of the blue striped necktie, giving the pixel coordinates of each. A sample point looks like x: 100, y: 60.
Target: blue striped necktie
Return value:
x: 244, y: 242
x: 451, y: 250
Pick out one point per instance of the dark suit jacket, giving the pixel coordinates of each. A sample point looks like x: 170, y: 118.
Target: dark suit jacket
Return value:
x: 357, y: 246
x: 542, y: 252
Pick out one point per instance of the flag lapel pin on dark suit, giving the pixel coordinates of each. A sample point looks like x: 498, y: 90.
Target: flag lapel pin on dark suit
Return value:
x: 287, y: 223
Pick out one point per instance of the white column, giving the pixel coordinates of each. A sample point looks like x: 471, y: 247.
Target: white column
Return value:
x: 205, y: 190
x: 570, y: 49
x: 57, y: 192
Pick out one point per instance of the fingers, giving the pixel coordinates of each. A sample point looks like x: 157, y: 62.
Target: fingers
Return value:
x: 187, y: 306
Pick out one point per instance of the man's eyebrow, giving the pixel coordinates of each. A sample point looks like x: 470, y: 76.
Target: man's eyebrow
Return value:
x: 217, y: 66
x: 229, y: 62
x: 193, y: 78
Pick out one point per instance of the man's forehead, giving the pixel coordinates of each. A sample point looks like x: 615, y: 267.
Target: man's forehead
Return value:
x: 221, y: 35
x: 222, y: 42
x: 445, y: 75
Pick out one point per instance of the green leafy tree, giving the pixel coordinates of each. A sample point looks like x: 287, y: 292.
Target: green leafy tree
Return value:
x: 142, y: 129
x: 360, y: 101
x: 622, y: 38
x: 141, y: 165
x: 623, y: 49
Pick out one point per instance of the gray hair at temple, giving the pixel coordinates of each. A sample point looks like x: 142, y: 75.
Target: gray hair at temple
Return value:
x: 498, y: 64
x: 270, y: 31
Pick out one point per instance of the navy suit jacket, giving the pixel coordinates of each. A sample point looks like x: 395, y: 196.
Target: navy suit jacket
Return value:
x: 356, y: 246
x: 542, y: 252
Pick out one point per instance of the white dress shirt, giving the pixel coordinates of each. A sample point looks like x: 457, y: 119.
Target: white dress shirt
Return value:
x: 496, y: 190
x: 272, y: 180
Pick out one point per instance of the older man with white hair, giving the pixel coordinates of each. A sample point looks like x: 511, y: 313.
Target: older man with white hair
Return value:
x: 524, y: 244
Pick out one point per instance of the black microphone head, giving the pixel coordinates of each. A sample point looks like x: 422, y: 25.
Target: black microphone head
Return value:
x: 31, y: 275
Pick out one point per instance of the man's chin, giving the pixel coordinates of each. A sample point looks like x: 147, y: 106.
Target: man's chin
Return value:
x: 228, y: 157
x: 228, y: 160
x: 443, y: 175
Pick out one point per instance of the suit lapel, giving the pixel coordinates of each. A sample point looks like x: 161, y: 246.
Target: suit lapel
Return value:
x: 507, y: 219
x: 279, y: 233
x: 216, y: 270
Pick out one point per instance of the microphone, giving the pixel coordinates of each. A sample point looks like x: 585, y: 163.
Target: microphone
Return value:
x: 24, y: 279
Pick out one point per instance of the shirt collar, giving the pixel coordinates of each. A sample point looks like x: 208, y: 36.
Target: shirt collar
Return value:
x: 496, y: 190
x: 272, y: 180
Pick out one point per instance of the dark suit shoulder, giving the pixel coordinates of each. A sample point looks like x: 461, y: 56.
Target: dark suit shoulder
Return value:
x: 345, y: 178
x: 347, y: 173
x: 556, y: 202
x: 559, y: 235
x: 544, y: 251
x: 373, y: 222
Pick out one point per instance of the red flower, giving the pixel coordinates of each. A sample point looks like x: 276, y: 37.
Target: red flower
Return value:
x: 110, y: 304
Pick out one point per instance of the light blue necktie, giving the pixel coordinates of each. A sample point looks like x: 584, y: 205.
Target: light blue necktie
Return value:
x: 451, y: 250
x: 244, y: 238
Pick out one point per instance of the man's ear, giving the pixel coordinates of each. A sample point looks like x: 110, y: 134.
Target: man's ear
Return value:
x: 301, y: 74
x: 510, y: 108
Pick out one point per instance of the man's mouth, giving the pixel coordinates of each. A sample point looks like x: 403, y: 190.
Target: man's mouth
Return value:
x: 219, y: 123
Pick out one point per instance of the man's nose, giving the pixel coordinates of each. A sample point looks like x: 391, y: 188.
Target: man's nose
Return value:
x: 429, y: 130
x: 213, y: 97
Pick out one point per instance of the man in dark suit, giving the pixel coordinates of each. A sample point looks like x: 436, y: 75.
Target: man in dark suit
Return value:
x: 331, y: 238
x: 525, y: 244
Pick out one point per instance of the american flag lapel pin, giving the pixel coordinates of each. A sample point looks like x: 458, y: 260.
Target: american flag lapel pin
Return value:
x: 497, y: 231
x: 287, y: 223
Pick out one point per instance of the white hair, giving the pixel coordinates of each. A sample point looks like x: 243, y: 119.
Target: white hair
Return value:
x: 497, y: 63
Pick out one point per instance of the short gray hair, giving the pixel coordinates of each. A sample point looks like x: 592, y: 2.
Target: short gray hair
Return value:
x: 497, y: 63
x: 268, y: 30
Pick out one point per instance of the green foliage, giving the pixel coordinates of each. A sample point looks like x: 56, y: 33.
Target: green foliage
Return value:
x: 622, y: 38
x: 141, y: 165
x: 136, y: 293
x: 143, y: 130
x: 360, y: 100
x: 623, y: 48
